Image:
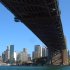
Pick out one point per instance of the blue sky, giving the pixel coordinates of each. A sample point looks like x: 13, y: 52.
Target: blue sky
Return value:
x: 16, y: 33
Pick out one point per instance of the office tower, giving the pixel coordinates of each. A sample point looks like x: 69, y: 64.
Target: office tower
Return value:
x: 29, y: 57
x: 33, y: 55
x: 11, y: 54
x: 25, y: 50
x: 0, y: 59
x: 19, y: 57
x: 15, y: 56
x: 23, y: 56
x: 38, y: 51
x: 44, y: 52
x: 3, y: 56
x: 8, y: 52
x: 6, y: 55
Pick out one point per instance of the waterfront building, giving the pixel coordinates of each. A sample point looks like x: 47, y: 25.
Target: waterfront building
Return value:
x: 44, y: 52
x: 0, y: 59
x: 47, y: 52
x: 18, y: 57
x: 8, y: 52
x: 33, y: 55
x: 25, y: 50
x: 11, y: 54
x: 15, y: 56
x: 3, y: 56
x: 23, y: 56
x: 37, y: 52
x: 6, y: 55
x: 29, y: 57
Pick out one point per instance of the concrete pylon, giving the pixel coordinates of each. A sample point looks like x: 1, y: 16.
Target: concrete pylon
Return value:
x: 65, y: 57
x: 59, y: 57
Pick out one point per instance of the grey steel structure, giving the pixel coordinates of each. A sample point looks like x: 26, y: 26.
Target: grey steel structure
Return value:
x: 42, y: 17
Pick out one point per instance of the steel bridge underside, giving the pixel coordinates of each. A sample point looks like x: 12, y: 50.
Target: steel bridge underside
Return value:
x: 42, y: 17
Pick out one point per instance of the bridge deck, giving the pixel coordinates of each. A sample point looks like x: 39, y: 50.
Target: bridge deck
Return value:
x: 42, y: 17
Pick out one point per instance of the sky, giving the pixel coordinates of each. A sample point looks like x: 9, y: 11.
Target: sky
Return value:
x: 17, y: 34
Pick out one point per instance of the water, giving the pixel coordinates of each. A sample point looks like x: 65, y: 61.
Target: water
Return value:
x: 35, y: 68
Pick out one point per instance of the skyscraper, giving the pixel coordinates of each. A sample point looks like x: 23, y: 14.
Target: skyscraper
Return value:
x: 25, y: 50
x: 44, y: 52
x: 11, y: 54
x: 23, y: 56
x: 29, y: 57
x: 37, y: 52
x: 33, y: 55
x: 8, y: 52
x: 15, y: 56
x: 3, y: 56
x: 6, y: 55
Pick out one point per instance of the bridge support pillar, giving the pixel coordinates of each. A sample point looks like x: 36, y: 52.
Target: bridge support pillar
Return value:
x: 57, y: 57
x: 65, y: 56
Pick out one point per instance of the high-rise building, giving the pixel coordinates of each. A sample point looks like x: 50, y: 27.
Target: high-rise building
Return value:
x: 11, y: 54
x: 0, y: 59
x: 23, y: 56
x: 29, y: 57
x: 3, y: 56
x: 37, y: 52
x: 33, y: 55
x: 19, y: 57
x: 44, y: 52
x: 6, y: 55
x: 15, y: 56
x: 8, y: 52
x: 25, y: 50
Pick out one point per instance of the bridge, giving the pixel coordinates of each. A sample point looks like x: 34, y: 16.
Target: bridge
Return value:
x: 42, y: 17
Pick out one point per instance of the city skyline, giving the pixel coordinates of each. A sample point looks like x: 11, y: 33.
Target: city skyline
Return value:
x: 17, y: 33
x: 24, y: 49
x: 10, y: 56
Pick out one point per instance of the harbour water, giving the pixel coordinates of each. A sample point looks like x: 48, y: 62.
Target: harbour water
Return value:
x: 35, y: 68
